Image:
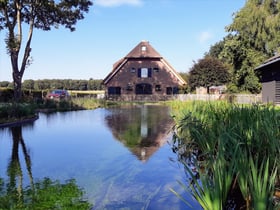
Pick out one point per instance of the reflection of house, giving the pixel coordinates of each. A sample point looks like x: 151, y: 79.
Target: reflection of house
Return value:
x: 270, y: 78
x: 142, y: 74
x: 143, y: 129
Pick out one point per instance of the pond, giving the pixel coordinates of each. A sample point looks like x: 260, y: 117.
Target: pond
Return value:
x: 120, y: 156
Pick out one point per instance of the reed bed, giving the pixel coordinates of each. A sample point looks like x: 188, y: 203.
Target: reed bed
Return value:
x: 236, y: 148
x: 88, y: 103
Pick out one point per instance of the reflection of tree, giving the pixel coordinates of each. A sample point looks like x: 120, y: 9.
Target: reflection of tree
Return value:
x: 43, y: 194
x: 14, y: 167
x: 142, y: 129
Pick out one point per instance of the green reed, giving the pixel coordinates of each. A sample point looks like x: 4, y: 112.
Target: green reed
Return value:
x: 237, y: 144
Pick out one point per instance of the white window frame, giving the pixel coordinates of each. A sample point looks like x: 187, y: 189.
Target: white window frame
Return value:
x: 144, y: 72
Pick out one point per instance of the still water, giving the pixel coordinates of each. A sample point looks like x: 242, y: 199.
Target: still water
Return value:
x: 119, y: 156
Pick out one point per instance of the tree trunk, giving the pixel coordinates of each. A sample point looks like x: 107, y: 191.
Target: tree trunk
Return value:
x: 17, y: 86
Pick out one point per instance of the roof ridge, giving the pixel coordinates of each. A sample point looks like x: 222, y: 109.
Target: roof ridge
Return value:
x: 143, y: 49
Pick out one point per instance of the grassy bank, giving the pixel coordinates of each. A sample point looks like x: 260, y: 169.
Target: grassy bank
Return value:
x: 13, y: 112
x: 234, y: 150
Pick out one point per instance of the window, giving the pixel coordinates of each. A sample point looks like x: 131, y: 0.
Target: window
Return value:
x: 169, y: 90
x: 114, y: 90
x: 129, y: 87
x: 156, y: 69
x: 143, y: 88
x: 144, y: 72
x: 175, y: 90
x: 143, y: 48
x: 158, y: 88
x: 132, y: 70
x: 172, y: 90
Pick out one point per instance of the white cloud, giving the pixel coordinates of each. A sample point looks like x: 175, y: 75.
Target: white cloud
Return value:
x: 204, y: 37
x: 115, y: 3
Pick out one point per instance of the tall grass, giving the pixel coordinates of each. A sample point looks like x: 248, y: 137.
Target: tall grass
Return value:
x: 10, y: 112
x: 88, y: 103
x: 238, y: 145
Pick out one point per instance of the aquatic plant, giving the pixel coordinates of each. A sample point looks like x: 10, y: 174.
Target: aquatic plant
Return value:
x: 45, y: 194
x: 261, y: 181
x: 230, y: 139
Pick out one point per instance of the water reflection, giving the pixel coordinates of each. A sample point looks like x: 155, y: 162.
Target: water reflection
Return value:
x: 14, y: 171
x: 142, y: 129
x: 43, y: 194
x: 101, y: 150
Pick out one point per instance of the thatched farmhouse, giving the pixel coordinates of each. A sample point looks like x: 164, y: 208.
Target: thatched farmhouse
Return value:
x: 270, y: 79
x: 143, y: 74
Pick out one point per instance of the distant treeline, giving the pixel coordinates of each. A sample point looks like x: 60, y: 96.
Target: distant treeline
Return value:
x: 67, y: 84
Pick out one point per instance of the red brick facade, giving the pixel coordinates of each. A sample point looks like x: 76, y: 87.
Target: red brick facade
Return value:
x: 142, y: 74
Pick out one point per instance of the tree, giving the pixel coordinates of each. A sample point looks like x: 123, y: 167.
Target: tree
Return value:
x: 254, y: 36
x: 36, y: 14
x: 185, y: 88
x: 207, y: 72
x: 28, y: 84
x: 257, y: 23
x: 242, y: 61
x: 4, y: 83
x: 216, y: 49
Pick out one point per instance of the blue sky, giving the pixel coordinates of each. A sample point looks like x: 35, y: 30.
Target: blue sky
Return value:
x: 180, y: 30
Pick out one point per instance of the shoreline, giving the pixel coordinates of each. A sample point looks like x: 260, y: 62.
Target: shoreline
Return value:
x: 19, y: 122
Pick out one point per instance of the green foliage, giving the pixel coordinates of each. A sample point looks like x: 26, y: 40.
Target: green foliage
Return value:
x: 251, y: 83
x: 232, y: 88
x: 216, y: 49
x: 4, y: 83
x: 54, y: 195
x: 253, y: 36
x: 256, y: 24
x: 6, y: 95
x: 28, y: 84
x: 10, y: 112
x: 186, y: 88
x: 34, y: 14
x: 236, y: 144
x: 68, y: 84
x: 57, y: 105
x: 16, y: 111
x: 261, y: 181
x: 242, y: 60
x: 207, y: 72
x: 44, y: 195
x: 88, y: 103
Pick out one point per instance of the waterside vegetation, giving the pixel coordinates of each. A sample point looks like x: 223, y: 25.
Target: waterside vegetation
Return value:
x: 230, y: 152
x: 16, y: 112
